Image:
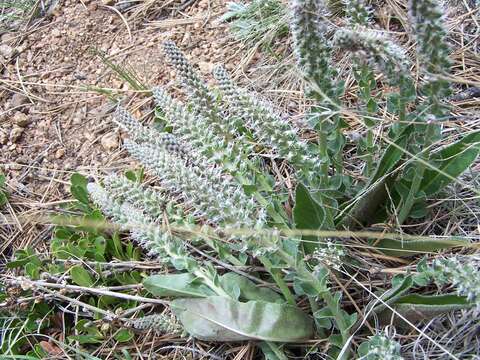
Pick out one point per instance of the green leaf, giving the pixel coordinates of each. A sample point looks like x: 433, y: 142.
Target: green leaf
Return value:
x: 80, y: 276
x: 309, y: 214
x: 389, y: 296
x: 176, y: 285
x: 411, y: 247
x: 78, y: 188
x: 374, y: 193
x: 416, y: 307
x: 247, y: 290
x: 452, y: 160
x: 218, y: 318
x: 124, y: 335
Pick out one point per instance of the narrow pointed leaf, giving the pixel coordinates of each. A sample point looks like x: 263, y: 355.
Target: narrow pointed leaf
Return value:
x: 452, y: 160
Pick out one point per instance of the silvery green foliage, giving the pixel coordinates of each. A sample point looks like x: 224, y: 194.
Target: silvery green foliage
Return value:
x: 142, y: 228
x: 464, y: 275
x: 380, y: 347
x: 308, y: 27
x: 199, y: 133
x: 330, y: 255
x: 213, y: 194
x: 150, y: 201
x: 357, y: 12
x: 427, y: 18
x: 141, y: 133
x: 267, y: 126
x: 161, y: 324
x: 377, y: 51
x: 127, y: 217
x: 202, y: 99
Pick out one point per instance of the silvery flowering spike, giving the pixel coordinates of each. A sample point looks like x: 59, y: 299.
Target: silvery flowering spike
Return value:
x: 464, y: 275
x: 197, y: 87
x: 159, y: 323
x: 202, y: 99
x: 143, y: 133
x: 214, y: 196
x: 357, y: 12
x: 377, y: 51
x: 150, y: 201
x: 268, y: 127
x: 427, y: 18
x: 141, y: 227
x: 308, y: 26
x: 194, y: 129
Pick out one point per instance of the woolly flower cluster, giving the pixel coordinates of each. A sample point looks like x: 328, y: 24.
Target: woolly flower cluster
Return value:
x: 150, y: 202
x: 381, y: 347
x: 212, y: 194
x: 268, y: 127
x: 357, y: 12
x: 428, y: 22
x: 161, y: 324
x: 199, y: 133
x: 141, y: 227
x: 202, y: 99
x: 330, y: 255
x: 308, y: 26
x: 463, y: 275
x: 144, y: 134
x: 377, y: 51
x: 427, y: 18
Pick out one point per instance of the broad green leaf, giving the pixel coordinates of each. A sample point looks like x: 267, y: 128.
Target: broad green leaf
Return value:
x: 411, y: 247
x: 309, y: 214
x: 124, y: 335
x: 218, y: 318
x: 247, y: 290
x: 374, y: 193
x: 176, y: 285
x: 78, y: 188
x: 80, y: 276
x: 452, y: 160
x: 416, y: 308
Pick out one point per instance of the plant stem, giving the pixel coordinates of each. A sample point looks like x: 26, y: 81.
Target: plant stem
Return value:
x: 324, y: 293
x: 418, y: 177
x: 278, y: 280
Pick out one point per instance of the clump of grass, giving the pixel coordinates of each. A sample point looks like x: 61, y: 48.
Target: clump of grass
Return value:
x: 259, y: 22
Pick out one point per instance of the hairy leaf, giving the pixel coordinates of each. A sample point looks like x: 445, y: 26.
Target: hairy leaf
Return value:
x: 80, y: 276
x: 309, y: 214
x: 375, y: 193
x: 411, y: 247
x: 416, y: 308
x: 242, y: 288
x: 452, y: 160
x: 176, y: 285
x: 218, y: 318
